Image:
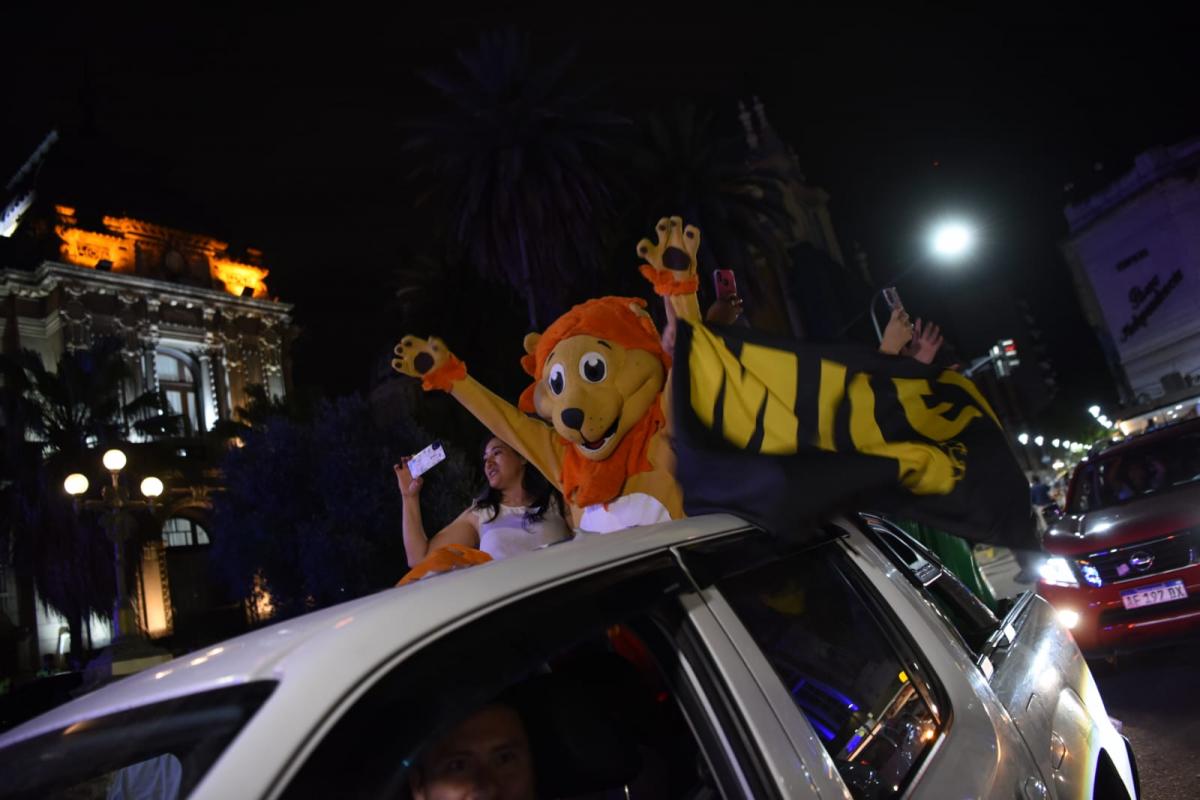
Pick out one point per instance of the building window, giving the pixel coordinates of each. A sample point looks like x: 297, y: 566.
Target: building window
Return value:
x: 183, y: 532
x: 177, y: 379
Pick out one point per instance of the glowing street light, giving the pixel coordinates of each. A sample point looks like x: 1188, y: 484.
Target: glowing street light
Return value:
x: 951, y: 240
x: 1094, y: 411
x: 75, y: 484
x: 114, y: 460
x: 1039, y: 440
x: 1023, y: 438
x: 1055, y: 442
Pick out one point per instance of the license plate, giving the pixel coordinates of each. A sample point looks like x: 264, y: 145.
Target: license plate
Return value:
x: 1152, y: 595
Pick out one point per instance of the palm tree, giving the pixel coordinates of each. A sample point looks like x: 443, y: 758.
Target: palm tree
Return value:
x: 684, y: 165
x: 51, y: 418
x: 514, y: 165
x: 81, y: 400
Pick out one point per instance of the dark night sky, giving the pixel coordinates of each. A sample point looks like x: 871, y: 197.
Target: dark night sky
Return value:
x: 280, y: 130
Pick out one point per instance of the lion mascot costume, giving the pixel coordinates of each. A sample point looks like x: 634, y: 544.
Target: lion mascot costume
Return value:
x: 596, y: 419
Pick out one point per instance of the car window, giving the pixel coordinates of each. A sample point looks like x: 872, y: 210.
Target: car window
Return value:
x: 158, y: 752
x: 583, y: 684
x: 968, y: 617
x: 1134, y: 471
x: 841, y: 662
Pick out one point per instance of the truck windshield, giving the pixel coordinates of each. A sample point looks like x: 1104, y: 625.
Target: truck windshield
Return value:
x: 1133, y: 472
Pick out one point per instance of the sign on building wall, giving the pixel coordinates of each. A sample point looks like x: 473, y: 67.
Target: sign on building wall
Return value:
x: 1145, y: 300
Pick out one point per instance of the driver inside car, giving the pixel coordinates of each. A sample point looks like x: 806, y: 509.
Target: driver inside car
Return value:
x: 487, y: 755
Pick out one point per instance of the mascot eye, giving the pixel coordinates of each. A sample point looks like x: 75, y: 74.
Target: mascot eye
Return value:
x: 593, y: 367
x: 558, y: 378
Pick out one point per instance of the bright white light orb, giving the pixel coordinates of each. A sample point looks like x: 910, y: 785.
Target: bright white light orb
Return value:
x: 1056, y: 442
x: 1039, y: 440
x: 1068, y: 618
x: 952, y: 240
x: 1023, y: 438
x: 1094, y: 411
x: 75, y: 484
x: 152, y: 487
x: 114, y: 460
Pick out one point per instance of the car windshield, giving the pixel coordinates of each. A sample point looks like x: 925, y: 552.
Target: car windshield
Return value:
x: 1134, y: 472
x: 158, y: 752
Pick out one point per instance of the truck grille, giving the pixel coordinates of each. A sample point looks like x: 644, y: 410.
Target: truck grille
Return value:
x: 1139, y: 560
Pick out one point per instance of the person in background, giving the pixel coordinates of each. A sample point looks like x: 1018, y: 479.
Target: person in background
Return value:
x: 516, y: 512
x: 1039, y: 492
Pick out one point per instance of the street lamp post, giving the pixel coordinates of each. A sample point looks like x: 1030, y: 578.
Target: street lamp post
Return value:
x: 130, y: 650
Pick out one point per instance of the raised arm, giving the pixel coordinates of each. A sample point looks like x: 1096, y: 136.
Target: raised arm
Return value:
x: 417, y: 545
x: 438, y: 368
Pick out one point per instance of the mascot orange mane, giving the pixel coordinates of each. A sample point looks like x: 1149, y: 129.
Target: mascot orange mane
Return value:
x: 601, y: 433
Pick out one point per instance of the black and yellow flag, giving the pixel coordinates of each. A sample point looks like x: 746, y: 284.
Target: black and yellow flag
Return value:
x: 780, y: 431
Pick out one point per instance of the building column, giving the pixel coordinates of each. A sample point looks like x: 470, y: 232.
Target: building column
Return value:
x: 209, y: 409
x: 271, y: 359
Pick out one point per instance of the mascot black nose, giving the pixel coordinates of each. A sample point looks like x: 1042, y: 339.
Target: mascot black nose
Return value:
x: 572, y: 418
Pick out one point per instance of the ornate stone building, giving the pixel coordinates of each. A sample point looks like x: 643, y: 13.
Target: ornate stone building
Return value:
x: 196, y: 323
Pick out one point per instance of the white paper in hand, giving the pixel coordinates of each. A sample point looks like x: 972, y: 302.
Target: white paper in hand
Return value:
x: 426, y: 460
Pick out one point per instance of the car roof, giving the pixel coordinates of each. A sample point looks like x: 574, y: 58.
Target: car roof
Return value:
x: 327, y: 647
x: 1162, y: 432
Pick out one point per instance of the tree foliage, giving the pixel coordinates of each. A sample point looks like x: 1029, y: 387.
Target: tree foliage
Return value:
x: 515, y: 163
x: 82, y: 401
x: 312, y: 506
x: 683, y: 163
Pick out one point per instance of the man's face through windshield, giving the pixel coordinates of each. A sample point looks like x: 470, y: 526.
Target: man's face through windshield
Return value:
x: 484, y: 756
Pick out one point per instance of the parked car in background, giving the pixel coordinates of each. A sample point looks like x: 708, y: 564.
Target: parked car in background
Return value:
x: 698, y: 658
x: 1124, y: 565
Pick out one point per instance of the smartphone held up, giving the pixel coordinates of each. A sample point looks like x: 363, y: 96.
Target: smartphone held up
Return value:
x: 724, y: 283
x: 426, y: 460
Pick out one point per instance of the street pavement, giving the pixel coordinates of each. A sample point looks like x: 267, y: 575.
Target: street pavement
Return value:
x: 1155, y: 695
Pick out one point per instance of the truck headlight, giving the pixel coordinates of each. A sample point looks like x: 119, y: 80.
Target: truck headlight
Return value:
x: 1057, y: 570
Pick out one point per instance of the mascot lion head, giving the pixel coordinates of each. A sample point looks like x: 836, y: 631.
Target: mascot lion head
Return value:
x: 598, y: 371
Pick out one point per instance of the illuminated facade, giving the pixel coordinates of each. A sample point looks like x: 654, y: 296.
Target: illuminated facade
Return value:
x: 1134, y: 252
x: 196, y: 323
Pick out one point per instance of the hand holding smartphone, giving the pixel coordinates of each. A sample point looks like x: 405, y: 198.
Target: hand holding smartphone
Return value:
x: 724, y: 283
x: 892, y: 298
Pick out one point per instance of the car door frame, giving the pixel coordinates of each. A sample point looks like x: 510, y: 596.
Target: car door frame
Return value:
x: 978, y: 750
x: 977, y: 667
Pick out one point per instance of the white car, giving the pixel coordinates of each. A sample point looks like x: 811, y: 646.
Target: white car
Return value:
x: 693, y: 659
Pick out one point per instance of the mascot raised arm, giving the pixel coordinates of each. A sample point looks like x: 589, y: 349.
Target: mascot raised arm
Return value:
x: 595, y: 419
